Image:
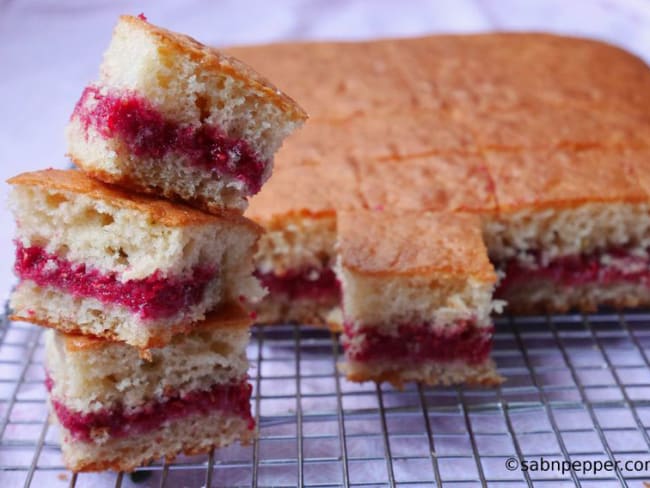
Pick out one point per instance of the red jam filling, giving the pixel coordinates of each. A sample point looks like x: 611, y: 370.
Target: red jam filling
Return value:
x: 312, y: 284
x: 153, y: 297
x: 418, y: 342
x: 233, y: 399
x: 579, y: 270
x: 146, y: 133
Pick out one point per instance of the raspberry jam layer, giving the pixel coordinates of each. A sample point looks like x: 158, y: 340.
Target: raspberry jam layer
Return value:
x: 154, y: 297
x: 310, y: 284
x: 147, y: 134
x: 419, y: 342
x: 616, y: 266
x: 231, y: 399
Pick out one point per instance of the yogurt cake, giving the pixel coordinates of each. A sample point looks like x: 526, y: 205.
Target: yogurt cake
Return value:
x: 175, y: 118
x: 524, y: 131
x: 92, y: 259
x: 118, y: 411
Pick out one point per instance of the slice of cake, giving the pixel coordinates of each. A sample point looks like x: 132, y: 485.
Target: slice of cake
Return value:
x: 572, y: 230
x: 417, y: 298
x: 173, y: 117
x: 118, y: 411
x: 92, y: 259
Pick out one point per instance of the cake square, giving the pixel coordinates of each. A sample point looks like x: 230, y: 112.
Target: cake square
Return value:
x: 417, y: 297
x: 118, y: 411
x: 92, y: 259
x: 448, y: 181
x: 572, y: 229
x: 173, y: 117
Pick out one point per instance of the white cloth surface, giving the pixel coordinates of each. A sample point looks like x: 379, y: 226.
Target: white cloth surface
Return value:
x: 50, y: 49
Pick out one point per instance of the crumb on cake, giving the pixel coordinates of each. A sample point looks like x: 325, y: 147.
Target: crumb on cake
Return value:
x: 118, y: 411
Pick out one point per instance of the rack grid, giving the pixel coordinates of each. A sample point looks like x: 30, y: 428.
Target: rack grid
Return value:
x: 578, y: 388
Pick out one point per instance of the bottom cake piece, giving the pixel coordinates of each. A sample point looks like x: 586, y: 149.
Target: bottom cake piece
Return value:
x: 417, y: 298
x: 117, y: 410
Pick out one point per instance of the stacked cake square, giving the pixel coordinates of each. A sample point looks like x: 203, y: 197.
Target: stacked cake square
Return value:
x: 117, y: 410
x: 417, y: 298
x: 141, y: 264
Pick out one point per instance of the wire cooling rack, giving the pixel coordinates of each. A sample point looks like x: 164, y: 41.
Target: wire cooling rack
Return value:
x: 578, y: 390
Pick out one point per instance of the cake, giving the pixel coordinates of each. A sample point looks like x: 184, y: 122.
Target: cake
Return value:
x: 523, y: 130
x: 175, y: 118
x: 118, y: 411
x: 573, y: 229
x: 417, y: 296
x: 92, y: 259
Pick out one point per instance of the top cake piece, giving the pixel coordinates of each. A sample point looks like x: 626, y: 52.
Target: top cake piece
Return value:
x: 173, y: 117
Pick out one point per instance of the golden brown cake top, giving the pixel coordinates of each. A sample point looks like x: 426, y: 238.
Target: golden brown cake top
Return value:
x: 341, y: 79
x: 563, y: 178
x: 336, y: 80
x: 314, y: 189
x: 536, y: 124
x: 229, y: 316
x: 213, y: 59
x: 639, y: 159
x: 399, y: 110
x: 384, y: 243
x: 436, y: 182
x: 159, y: 210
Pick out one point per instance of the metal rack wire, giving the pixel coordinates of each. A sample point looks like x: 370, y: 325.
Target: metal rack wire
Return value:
x: 578, y: 389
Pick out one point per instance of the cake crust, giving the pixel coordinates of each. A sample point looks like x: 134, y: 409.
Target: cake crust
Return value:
x: 413, y: 243
x: 313, y: 189
x: 391, y: 75
x: 432, y: 374
x: 639, y: 159
x: 386, y: 137
x: 563, y: 178
x: 125, y: 181
x: 212, y: 59
x: 436, y: 182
